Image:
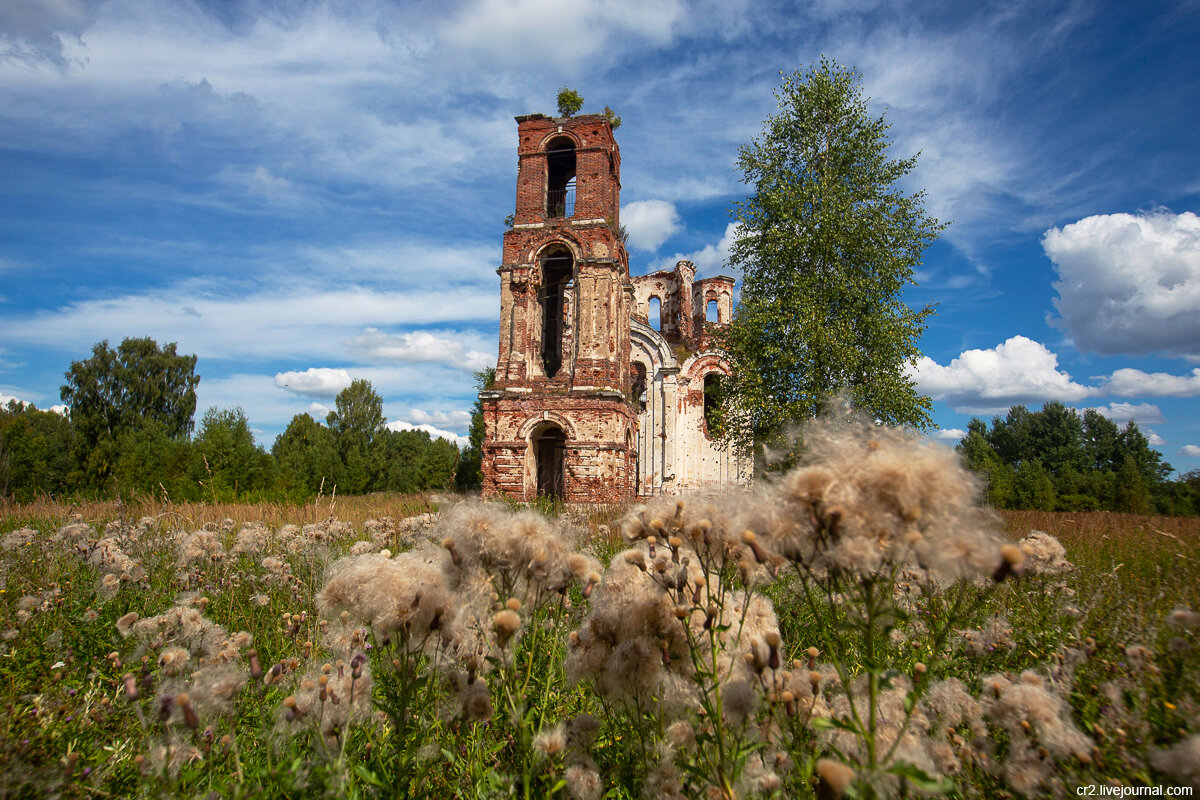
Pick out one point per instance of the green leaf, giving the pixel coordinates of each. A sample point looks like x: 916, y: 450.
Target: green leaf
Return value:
x: 920, y: 779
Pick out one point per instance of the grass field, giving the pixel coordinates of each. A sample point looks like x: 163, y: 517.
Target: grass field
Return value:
x: 228, y: 651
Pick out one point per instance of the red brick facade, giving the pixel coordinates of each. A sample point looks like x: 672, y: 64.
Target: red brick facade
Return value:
x: 564, y: 417
x: 558, y: 419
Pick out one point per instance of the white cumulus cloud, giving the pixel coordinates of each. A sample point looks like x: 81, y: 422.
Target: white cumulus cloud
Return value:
x: 314, y: 381
x: 649, y: 223
x: 450, y: 419
x: 1190, y: 450
x: 988, y: 381
x: 950, y: 435
x: 1130, y: 381
x: 1129, y: 283
x: 1142, y: 413
x: 419, y: 347
x: 450, y: 436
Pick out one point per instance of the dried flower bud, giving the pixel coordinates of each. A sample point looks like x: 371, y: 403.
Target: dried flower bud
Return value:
x: 131, y: 689
x: 189, y: 714
x: 507, y: 622
x: 513, y: 604
x: 1011, y: 558
x: 835, y: 777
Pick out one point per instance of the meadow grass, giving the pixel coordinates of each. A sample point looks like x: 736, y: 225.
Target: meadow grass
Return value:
x: 89, y: 712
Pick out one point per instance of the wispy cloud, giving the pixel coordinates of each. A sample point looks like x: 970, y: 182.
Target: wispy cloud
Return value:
x: 320, y: 382
x: 418, y: 347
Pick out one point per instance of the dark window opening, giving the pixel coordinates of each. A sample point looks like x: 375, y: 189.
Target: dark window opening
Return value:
x: 549, y: 450
x: 639, y: 386
x: 711, y: 312
x: 713, y: 396
x: 557, y: 269
x: 560, y: 182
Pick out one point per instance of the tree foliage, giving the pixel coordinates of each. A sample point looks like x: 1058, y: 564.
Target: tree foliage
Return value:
x: 35, y: 452
x: 1058, y: 459
x: 115, y: 391
x: 569, y: 102
x: 470, y: 466
x: 827, y: 242
x: 128, y: 434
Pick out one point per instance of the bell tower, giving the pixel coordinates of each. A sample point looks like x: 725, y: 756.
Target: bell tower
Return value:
x: 559, y: 420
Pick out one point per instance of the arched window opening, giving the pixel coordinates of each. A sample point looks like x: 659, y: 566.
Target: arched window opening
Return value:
x: 549, y: 448
x: 654, y: 315
x: 712, y: 403
x: 560, y: 182
x: 639, y: 386
x: 711, y: 312
x: 557, y: 272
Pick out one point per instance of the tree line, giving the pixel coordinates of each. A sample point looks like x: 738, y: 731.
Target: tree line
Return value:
x: 130, y: 426
x: 1057, y: 459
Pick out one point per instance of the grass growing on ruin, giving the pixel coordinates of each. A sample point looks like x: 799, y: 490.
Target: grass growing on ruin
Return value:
x: 362, y: 647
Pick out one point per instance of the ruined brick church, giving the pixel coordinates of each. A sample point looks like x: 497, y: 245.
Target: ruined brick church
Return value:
x: 605, y: 383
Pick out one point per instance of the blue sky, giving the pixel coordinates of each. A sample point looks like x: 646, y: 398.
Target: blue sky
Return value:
x: 304, y: 193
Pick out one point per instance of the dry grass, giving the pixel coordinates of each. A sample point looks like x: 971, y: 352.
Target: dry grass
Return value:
x: 355, y: 509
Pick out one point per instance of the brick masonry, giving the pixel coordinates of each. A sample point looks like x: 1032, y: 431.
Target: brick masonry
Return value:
x: 588, y: 431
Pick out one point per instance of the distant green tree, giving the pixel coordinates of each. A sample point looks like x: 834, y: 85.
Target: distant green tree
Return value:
x: 569, y: 102
x: 470, y: 464
x: 1012, y: 437
x: 226, y: 461
x: 979, y: 457
x: 35, y: 452
x: 1090, y: 462
x: 1100, y: 445
x: 1033, y: 487
x: 356, y: 421
x: 1132, y: 491
x: 1056, y: 438
x: 828, y: 241
x: 152, y: 463
x: 1133, y: 444
x: 117, y: 390
x: 307, y: 456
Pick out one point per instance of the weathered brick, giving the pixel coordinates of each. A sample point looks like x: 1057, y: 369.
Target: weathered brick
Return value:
x: 562, y: 417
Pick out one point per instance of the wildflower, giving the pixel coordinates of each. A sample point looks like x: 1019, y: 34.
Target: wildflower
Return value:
x: 507, y: 622
x: 1181, y: 762
x: 476, y: 704
x: 1033, y: 716
x: 405, y: 596
x: 184, y: 701
x: 550, y: 742
x: 1185, y: 618
x: 1011, y: 558
x: 583, y: 782
x: 173, y: 660
x: 835, y: 778
x: 1044, y: 554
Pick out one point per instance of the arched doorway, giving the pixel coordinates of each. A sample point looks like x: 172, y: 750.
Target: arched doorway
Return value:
x: 549, y: 446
